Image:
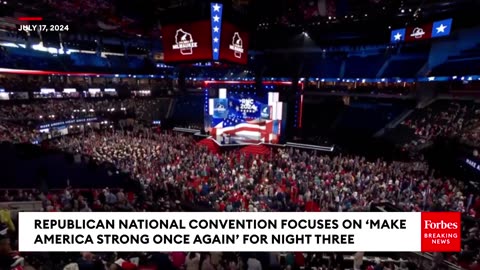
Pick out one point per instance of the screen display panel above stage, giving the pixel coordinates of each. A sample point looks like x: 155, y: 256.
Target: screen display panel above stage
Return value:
x: 187, y: 42
x: 244, y: 118
x: 234, y: 44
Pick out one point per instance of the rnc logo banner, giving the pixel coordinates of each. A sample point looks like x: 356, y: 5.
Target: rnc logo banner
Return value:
x: 248, y: 105
x: 441, y: 232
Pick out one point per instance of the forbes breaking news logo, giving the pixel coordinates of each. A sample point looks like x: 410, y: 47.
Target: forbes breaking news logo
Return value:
x: 441, y: 232
x: 237, y: 45
x: 184, y: 42
x: 441, y: 225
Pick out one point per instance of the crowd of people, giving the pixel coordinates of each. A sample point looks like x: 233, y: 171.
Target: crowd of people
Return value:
x: 443, y: 118
x: 364, y: 88
x: 19, y: 121
x: 59, y: 83
x: 47, y: 111
x: 172, y: 168
x: 16, y: 133
x: 471, y: 136
x: 289, y: 180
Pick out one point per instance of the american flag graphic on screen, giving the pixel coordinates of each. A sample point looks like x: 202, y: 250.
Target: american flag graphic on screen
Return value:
x: 242, y: 131
x: 245, y: 118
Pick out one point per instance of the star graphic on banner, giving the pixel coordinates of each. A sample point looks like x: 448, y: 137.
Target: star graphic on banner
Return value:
x: 441, y: 28
x: 231, y: 120
x: 398, y: 36
x: 215, y: 40
x: 215, y: 50
x: 215, y: 29
x: 216, y: 8
x: 216, y: 18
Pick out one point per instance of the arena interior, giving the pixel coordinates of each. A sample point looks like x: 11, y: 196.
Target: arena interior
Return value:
x: 308, y: 106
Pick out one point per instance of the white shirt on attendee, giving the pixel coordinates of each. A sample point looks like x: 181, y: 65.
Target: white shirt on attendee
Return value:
x: 358, y: 260
x: 254, y: 264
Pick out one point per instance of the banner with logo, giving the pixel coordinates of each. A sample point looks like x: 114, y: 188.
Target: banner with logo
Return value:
x: 187, y: 42
x: 209, y: 40
x: 265, y: 112
x: 422, y: 32
x: 220, y: 110
x: 234, y: 44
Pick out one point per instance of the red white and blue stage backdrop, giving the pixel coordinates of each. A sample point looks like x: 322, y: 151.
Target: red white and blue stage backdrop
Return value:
x: 244, y: 118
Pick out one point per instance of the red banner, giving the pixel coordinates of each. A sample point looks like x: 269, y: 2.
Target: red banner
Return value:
x: 234, y: 44
x: 418, y: 32
x: 187, y: 42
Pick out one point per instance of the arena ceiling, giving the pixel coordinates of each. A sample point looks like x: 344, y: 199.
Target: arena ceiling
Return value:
x: 290, y: 17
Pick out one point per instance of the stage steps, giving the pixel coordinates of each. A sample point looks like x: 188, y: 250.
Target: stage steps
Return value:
x: 210, y: 144
x: 256, y: 149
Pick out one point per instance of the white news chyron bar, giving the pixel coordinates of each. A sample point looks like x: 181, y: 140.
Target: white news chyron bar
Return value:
x: 232, y: 232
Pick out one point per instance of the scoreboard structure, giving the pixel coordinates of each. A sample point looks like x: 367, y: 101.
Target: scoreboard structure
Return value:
x: 207, y: 40
x: 422, y: 32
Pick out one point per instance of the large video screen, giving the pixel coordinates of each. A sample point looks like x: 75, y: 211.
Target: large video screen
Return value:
x: 234, y: 44
x: 245, y: 118
x: 436, y: 29
x: 212, y: 40
x: 187, y: 42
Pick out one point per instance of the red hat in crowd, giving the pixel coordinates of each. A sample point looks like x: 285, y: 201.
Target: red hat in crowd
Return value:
x: 125, y: 265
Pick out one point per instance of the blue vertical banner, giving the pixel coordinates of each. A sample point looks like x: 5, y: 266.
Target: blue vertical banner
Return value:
x: 216, y: 11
